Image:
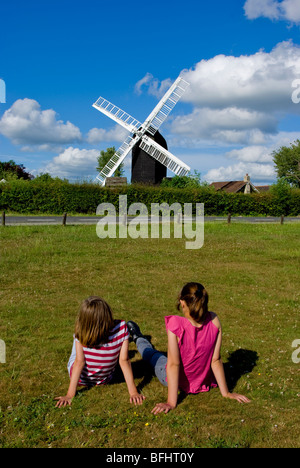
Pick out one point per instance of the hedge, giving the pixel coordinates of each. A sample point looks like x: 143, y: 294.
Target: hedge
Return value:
x: 58, y: 197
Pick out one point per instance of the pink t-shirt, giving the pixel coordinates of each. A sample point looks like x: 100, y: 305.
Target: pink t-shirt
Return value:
x: 196, y: 346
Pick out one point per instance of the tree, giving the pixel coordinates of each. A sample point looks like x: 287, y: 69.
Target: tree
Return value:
x: 103, y: 159
x: 46, y: 177
x: 282, y: 192
x: 188, y: 181
x: 287, y: 162
x: 11, y: 169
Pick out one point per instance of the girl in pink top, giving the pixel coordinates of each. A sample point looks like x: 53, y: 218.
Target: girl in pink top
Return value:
x: 194, y: 342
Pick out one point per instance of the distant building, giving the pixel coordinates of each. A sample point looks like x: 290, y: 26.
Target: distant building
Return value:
x: 263, y: 188
x: 115, y: 182
x: 239, y: 186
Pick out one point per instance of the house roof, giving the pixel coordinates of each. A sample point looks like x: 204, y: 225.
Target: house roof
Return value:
x: 262, y: 188
x: 235, y: 186
x: 230, y: 187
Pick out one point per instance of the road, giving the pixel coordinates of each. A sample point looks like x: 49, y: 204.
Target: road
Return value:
x: 93, y: 220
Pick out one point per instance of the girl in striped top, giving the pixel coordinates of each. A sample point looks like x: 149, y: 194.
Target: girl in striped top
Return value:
x: 100, y: 342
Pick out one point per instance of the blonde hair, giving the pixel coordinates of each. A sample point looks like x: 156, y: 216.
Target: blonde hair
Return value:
x: 196, y: 299
x: 94, y: 322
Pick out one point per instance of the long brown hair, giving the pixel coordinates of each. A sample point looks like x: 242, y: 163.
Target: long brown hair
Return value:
x: 94, y: 322
x: 196, y: 299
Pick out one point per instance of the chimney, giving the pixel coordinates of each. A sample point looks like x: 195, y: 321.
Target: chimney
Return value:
x: 247, y: 186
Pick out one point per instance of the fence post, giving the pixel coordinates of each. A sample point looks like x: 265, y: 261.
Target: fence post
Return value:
x: 229, y: 218
x: 3, y: 218
x: 64, y: 219
x: 282, y: 219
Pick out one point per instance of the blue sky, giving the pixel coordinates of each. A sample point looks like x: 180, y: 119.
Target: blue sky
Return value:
x: 242, y: 58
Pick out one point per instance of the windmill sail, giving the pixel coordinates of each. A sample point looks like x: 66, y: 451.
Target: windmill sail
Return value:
x: 117, y: 159
x: 163, y: 156
x: 165, y: 106
x: 117, y: 114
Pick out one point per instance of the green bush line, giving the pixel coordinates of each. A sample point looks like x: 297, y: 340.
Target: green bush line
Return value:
x: 58, y: 197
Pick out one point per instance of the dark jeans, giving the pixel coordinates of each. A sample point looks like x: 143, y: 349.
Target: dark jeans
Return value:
x: 157, y: 360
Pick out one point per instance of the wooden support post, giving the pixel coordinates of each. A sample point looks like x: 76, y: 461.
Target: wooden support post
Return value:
x: 3, y: 218
x: 229, y: 218
x: 282, y: 219
x: 64, y: 219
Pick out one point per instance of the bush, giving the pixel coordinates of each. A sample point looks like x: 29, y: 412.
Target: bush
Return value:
x: 57, y: 197
x: 188, y: 181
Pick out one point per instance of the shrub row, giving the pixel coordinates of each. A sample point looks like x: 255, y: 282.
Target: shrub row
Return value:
x: 26, y: 197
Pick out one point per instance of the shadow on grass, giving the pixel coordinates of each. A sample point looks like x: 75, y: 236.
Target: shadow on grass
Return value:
x: 240, y: 362
x: 141, y: 370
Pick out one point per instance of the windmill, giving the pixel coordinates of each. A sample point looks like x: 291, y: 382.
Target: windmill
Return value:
x: 144, y: 135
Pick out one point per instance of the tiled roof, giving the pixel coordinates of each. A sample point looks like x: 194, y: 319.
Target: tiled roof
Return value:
x: 230, y: 187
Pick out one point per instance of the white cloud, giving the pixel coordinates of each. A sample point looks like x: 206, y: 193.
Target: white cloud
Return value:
x: 225, y: 126
x: 144, y: 81
x: 155, y: 87
x: 259, y: 154
x: 237, y: 101
x: 97, y: 135
x: 256, y: 160
x: 257, y: 172
x: 291, y: 10
x: 238, y: 104
x: 266, y: 8
x: 73, y: 162
x: 285, y: 10
x: 262, y: 81
x: 263, y: 153
x: 25, y: 123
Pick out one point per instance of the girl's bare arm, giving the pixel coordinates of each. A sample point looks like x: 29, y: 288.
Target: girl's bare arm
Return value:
x: 218, y: 369
x: 125, y: 365
x: 173, y: 366
x: 76, y: 372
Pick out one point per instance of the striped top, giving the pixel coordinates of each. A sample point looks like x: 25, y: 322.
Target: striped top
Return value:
x: 100, y: 362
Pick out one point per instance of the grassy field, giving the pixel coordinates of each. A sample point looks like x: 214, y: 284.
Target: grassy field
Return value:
x: 252, y: 275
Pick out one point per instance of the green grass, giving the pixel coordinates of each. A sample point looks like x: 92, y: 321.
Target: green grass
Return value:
x: 252, y: 275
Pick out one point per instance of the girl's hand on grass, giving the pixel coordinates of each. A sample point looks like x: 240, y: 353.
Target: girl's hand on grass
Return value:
x: 63, y: 401
x: 162, y: 408
x: 137, y: 399
x: 238, y: 397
